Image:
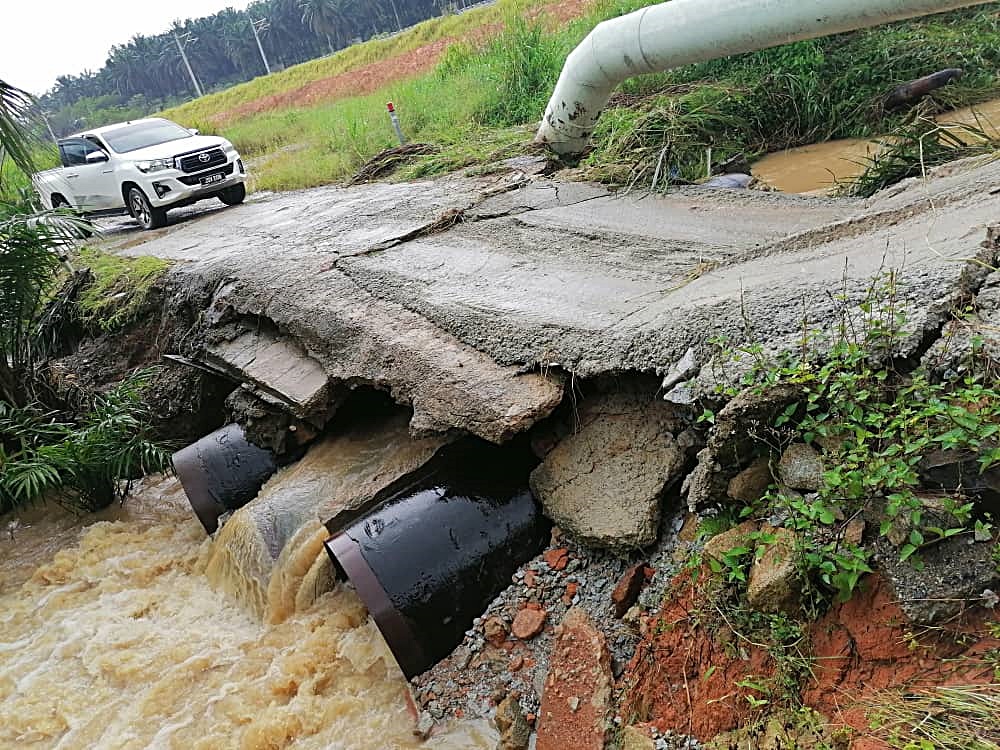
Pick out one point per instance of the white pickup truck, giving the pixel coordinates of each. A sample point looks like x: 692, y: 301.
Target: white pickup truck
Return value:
x: 142, y: 168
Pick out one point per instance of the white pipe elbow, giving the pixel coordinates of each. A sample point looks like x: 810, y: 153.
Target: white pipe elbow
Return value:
x: 681, y: 32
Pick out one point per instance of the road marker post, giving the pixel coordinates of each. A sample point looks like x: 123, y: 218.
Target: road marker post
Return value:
x: 395, y: 123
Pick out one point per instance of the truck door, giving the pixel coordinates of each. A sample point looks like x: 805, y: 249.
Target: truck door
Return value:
x: 89, y: 174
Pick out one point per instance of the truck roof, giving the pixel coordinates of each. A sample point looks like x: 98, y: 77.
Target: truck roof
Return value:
x: 105, y: 128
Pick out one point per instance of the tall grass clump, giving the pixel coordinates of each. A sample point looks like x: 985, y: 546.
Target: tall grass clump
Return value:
x: 918, y: 146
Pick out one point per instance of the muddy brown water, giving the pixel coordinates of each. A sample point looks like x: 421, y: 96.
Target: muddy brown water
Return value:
x: 818, y: 168
x: 112, y: 636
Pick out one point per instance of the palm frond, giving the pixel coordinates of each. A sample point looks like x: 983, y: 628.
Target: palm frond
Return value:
x: 17, y: 115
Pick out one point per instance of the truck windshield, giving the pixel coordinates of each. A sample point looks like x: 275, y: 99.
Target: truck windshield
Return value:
x: 143, y: 134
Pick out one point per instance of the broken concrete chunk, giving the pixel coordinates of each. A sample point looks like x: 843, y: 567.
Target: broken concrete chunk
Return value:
x: 685, y: 368
x: 604, y: 482
x: 750, y: 484
x: 277, y: 366
x: 580, y: 667
x: 801, y: 468
x: 775, y: 584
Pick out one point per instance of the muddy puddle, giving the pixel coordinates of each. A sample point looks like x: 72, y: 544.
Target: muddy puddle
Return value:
x: 111, y: 636
x: 818, y: 168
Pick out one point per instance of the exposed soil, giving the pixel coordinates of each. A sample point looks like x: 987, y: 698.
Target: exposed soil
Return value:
x: 371, y: 77
x: 685, y: 673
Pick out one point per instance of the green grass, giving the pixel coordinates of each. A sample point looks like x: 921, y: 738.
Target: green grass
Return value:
x: 120, y: 287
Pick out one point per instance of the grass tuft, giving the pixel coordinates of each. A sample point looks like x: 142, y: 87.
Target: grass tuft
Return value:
x: 120, y: 288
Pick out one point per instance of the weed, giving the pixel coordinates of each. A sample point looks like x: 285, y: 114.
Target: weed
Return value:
x: 873, y: 424
x: 940, y: 718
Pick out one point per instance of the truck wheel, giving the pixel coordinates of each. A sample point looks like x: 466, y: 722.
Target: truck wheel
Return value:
x: 143, y: 212
x: 234, y: 195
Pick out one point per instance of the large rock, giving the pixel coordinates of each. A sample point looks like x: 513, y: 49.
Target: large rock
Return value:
x: 603, y: 483
x: 954, y: 576
x: 576, y: 702
x: 775, y: 584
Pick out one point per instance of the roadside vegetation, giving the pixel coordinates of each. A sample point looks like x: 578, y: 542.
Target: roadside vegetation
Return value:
x: 481, y: 100
x: 81, y: 457
x: 866, y: 418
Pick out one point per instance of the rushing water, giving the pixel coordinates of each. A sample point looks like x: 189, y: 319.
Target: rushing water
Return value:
x: 111, y: 636
x: 819, y: 167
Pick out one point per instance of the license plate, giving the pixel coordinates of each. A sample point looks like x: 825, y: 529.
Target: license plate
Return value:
x: 212, y: 178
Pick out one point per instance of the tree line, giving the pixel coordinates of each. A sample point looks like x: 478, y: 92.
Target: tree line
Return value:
x: 148, y: 72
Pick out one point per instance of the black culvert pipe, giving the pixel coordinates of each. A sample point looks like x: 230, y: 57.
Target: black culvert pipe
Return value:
x: 430, y: 558
x: 222, y: 472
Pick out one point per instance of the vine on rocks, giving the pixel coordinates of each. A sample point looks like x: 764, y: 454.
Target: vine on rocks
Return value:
x: 872, y: 421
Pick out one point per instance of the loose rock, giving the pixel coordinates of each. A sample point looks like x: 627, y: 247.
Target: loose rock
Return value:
x: 528, y: 623
x: 738, y: 536
x: 801, y: 468
x: 514, y: 729
x: 775, y: 584
x: 627, y: 591
x: 750, y: 484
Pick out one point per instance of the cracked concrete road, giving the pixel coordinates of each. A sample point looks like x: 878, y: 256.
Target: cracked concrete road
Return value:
x: 453, y: 293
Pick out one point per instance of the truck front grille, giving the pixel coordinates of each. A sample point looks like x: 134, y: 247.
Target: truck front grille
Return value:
x: 201, y: 160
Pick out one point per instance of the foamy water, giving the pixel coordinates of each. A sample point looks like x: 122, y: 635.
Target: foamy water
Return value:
x: 118, y: 640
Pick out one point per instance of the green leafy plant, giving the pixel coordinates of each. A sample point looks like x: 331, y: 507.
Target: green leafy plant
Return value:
x: 86, y: 464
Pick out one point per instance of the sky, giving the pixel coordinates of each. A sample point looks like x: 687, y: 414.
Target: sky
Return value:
x: 43, y: 39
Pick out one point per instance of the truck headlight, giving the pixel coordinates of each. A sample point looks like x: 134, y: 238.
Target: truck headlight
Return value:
x: 229, y: 148
x: 154, y: 165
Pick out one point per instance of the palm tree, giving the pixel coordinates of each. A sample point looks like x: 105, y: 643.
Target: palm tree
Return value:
x: 30, y: 247
x: 322, y: 16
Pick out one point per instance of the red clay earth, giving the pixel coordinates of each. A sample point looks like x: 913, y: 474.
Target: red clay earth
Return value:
x: 371, y: 77
x: 577, y: 695
x: 683, y: 677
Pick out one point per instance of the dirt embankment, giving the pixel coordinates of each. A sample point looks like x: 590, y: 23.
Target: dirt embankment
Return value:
x: 373, y: 76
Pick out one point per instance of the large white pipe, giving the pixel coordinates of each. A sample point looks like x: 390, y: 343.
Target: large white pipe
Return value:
x: 681, y: 32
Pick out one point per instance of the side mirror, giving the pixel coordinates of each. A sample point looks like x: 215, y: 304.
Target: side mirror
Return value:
x: 194, y: 131
x: 96, y: 157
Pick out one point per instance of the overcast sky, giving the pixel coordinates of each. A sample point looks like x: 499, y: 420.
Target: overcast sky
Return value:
x: 42, y: 39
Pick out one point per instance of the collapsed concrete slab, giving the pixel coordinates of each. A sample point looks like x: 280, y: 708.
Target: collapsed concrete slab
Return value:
x: 459, y: 318
x: 276, y: 366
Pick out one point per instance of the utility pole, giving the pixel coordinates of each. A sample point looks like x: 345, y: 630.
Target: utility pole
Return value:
x: 187, y: 39
x: 48, y: 125
x: 395, y: 12
x: 258, y: 26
